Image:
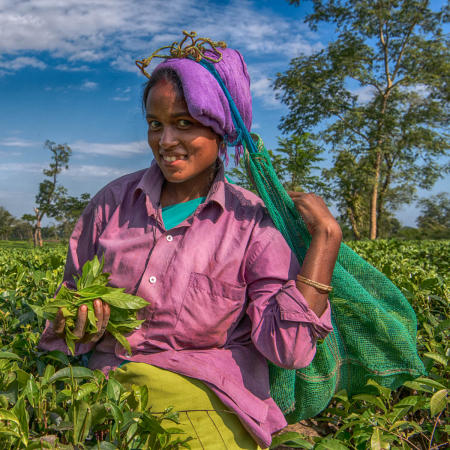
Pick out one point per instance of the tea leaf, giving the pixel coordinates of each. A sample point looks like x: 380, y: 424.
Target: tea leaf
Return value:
x: 291, y: 439
x: 9, y: 415
x: 57, y: 355
x: 113, y: 390
x: 82, y: 423
x: 9, y: 355
x: 124, y: 301
x: 377, y: 441
x: 86, y: 389
x: 372, y: 399
x: 438, y: 402
x: 437, y: 357
x: 330, y: 444
x: 68, y: 372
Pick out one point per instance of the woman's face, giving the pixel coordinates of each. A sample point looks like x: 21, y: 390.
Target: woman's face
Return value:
x: 184, y: 149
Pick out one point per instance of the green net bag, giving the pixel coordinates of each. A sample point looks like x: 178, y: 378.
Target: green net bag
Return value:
x: 374, y: 326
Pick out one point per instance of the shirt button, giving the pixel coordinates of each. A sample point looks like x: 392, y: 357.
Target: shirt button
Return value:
x: 169, y: 238
x: 152, y: 279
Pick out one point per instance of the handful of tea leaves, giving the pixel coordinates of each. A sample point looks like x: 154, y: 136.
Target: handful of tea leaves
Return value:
x: 92, y: 285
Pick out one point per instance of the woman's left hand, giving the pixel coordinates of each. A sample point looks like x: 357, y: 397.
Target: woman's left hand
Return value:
x: 318, y: 218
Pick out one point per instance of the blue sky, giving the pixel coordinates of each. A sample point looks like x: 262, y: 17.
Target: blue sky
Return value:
x: 67, y: 74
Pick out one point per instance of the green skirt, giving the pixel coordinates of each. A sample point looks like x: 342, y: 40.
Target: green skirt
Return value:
x: 202, y: 415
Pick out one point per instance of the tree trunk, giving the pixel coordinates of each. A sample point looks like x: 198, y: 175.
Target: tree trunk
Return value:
x: 374, y: 199
x: 37, y: 231
x: 355, y: 230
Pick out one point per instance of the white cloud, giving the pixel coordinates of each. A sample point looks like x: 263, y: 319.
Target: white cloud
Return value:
x: 121, y: 150
x: 261, y: 88
x: 22, y: 167
x: 119, y: 31
x: 364, y: 94
x: 89, y: 86
x: 421, y: 90
x: 16, y: 142
x: 261, y: 85
x: 9, y: 154
x: 122, y: 94
x: 67, y: 68
x: 21, y: 62
x: 90, y: 171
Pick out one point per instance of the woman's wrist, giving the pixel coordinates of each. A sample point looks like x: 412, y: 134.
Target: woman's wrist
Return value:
x: 329, y: 232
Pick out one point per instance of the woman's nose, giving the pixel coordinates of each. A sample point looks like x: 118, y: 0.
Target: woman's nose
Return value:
x: 168, y: 138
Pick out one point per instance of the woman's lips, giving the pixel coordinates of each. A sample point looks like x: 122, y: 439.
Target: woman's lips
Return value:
x: 173, y: 160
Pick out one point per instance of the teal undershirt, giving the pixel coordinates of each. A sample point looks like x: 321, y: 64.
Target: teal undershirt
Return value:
x: 173, y: 215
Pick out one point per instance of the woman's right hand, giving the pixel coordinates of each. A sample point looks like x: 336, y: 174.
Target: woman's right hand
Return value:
x: 102, y: 312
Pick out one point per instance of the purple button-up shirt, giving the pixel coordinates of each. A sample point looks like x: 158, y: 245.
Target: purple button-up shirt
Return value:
x: 220, y: 287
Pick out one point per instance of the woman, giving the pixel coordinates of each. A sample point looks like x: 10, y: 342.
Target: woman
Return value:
x: 225, y: 292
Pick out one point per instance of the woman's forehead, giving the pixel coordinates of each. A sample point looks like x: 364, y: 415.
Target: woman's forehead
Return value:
x: 166, y: 94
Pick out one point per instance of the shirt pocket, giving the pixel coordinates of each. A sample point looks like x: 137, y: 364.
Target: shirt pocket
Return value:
x: 209, y: 309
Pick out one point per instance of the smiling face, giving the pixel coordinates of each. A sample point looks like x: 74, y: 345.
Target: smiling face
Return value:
x: 185, y: 150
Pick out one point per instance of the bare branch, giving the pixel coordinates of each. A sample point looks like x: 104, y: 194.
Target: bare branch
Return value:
x: 384, y: 42
x: 402, y: 49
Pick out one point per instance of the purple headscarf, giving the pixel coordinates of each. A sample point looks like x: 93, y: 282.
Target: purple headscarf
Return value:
x: 205, y: 99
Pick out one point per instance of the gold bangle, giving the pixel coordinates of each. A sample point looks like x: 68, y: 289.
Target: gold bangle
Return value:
x: 316, y: 284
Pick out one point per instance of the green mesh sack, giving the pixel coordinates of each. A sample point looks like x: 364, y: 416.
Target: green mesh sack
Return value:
x: 374, y: 326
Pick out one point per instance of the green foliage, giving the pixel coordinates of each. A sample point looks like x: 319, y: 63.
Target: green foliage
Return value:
x: 12, y: 228
x: 49, y: 400
x: 90, y: 286
x: 294, y: 161
x: 67, y: 211
x: 434, y: 219
x: 52, y: 199
x: 388, y: 141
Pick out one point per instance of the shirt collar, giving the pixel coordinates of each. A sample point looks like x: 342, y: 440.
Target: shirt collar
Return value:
x: 153, y: 179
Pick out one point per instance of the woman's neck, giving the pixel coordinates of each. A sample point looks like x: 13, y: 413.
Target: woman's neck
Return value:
x: 174, y: 193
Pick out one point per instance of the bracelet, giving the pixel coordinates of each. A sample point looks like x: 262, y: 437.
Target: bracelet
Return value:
x: 316, y: 284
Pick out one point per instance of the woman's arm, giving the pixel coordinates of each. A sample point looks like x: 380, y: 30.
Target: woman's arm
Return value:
x: 321, y: 256
x: 289, y: 316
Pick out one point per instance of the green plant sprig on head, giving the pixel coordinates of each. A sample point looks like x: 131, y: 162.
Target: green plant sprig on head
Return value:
x: 91, y: 285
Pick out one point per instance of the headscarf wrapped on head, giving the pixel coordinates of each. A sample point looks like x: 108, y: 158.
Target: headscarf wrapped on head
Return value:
x: 205, y: 98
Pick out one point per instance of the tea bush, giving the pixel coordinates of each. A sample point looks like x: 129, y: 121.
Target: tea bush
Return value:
x: 48, y: 400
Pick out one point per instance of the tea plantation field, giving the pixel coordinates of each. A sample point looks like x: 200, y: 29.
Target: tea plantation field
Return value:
x: 48, y: 400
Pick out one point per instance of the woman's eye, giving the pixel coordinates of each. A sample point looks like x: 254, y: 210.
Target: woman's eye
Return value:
x: 153, y: 124
x: 183, y: 123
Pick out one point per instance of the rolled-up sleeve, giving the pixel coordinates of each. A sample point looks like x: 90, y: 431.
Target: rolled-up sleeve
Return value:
x: 284, y: 327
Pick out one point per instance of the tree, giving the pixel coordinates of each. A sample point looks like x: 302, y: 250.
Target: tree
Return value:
x: 49, y: 192
x: 294, y: 162
x: 434, y: 220
x: 67, y: 210
x: 7, y: 222
x: 393, y: 52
